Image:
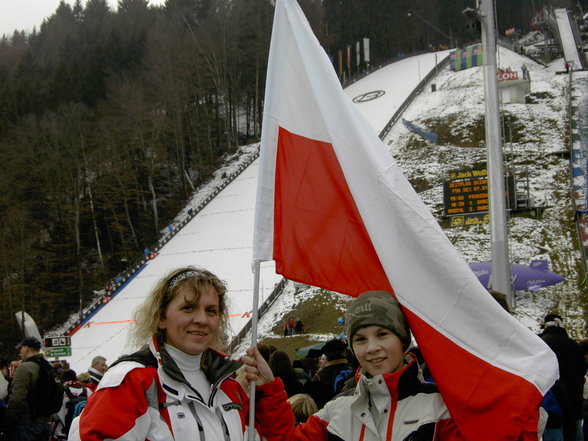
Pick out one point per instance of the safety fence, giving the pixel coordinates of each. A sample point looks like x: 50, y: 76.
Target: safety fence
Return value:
x: 578, y: 147
x: 238, y: 338
x: 442, y: 64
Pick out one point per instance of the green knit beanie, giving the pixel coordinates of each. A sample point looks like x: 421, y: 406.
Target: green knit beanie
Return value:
x: 377, y: 308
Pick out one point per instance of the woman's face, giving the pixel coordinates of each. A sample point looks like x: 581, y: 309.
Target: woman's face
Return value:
x: 378, y: 350
x: 191, y: 326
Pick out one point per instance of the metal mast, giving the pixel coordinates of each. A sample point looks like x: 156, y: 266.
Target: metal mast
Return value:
x: 500, y: 278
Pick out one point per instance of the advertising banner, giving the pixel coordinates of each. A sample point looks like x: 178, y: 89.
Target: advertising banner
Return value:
x: 467, y: 57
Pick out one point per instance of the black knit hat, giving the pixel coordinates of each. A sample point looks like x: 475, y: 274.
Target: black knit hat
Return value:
x: 377, y: 308
x: 334, y: 349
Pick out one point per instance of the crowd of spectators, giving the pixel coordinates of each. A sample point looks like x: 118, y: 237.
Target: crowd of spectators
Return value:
x: 320, y: 386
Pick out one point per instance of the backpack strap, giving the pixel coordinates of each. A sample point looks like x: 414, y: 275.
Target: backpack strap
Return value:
x: 69, y: 394
x: 79, y: 407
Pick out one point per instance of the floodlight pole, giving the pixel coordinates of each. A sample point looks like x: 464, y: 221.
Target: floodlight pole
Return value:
x: 500, y: 278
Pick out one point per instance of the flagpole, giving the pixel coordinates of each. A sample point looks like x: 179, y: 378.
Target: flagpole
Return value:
x: 500, y: 276
x: 254, y: 319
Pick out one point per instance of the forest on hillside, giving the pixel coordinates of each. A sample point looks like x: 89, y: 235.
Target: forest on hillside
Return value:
x: 109, y: 119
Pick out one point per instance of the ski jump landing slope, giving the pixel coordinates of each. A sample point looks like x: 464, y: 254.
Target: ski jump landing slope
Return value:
x: 219, y: 238
x: 381, y: 93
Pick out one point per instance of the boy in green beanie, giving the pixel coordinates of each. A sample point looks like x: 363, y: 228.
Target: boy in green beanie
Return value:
x: 377, y: 332
x: 391, y: 400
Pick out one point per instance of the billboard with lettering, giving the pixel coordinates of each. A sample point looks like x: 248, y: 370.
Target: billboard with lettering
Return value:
x: 466, y: 194
x: 466, y: 57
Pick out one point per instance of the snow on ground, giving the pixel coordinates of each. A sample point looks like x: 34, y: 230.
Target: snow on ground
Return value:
x: 539, y: 138
x: 290, y: 297
x: 397, y: 81
x: 219, y: 238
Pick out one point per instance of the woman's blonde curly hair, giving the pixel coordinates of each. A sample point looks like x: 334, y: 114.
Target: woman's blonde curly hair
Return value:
x: 149, y: 314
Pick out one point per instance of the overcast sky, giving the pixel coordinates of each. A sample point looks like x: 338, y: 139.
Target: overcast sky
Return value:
x: 26, y: 14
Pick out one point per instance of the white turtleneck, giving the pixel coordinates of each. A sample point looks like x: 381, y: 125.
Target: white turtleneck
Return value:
x: 190, y: 367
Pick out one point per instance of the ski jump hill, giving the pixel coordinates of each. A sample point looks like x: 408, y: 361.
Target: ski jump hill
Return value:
x: 219, y: 237
x: 570, y: 39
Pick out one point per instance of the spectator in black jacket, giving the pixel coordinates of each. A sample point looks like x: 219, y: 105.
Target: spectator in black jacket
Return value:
x: 322, y: 386
x: 74, y: 393
x: 584, y: 348
x: 572, y: 368
x: 24, y: 423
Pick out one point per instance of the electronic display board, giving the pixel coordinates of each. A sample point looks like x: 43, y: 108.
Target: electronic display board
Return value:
x: 466, y: 192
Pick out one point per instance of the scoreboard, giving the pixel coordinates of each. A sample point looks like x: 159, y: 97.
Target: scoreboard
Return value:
x: 466, y: 192
x: 465, y: 196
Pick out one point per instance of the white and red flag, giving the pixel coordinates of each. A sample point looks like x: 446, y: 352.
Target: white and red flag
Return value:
x: 335, y: 211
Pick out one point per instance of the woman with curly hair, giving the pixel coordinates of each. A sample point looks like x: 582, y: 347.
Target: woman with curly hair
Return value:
x: 178, y: 386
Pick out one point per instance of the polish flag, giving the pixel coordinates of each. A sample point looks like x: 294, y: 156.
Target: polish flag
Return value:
x: 335, y: 211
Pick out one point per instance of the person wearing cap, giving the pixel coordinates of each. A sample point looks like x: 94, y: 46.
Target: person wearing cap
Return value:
x: 391, y: 401
x: 322, y: 386
x: 24, y: 424
x: 572, y: 369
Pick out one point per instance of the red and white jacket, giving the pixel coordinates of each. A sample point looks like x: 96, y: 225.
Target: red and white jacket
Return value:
x: 397, y: 406
x: 136, y: 403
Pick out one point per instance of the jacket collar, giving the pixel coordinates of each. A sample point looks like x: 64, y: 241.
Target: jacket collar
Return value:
x: 216, y: 366
x: 400, y: 384
x: 37, y: 355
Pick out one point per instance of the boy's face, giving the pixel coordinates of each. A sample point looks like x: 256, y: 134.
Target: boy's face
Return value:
x: 378, y: 350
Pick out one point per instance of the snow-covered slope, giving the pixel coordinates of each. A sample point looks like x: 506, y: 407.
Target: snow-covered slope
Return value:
x: 219, y: 238
x: 536, y: 138
x: 391, y: 84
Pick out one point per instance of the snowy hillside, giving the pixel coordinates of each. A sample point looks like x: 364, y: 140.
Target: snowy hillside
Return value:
x: 536, y: 135
x: 218, y: 237
x: 535, y: 142
x: 455, y: 112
